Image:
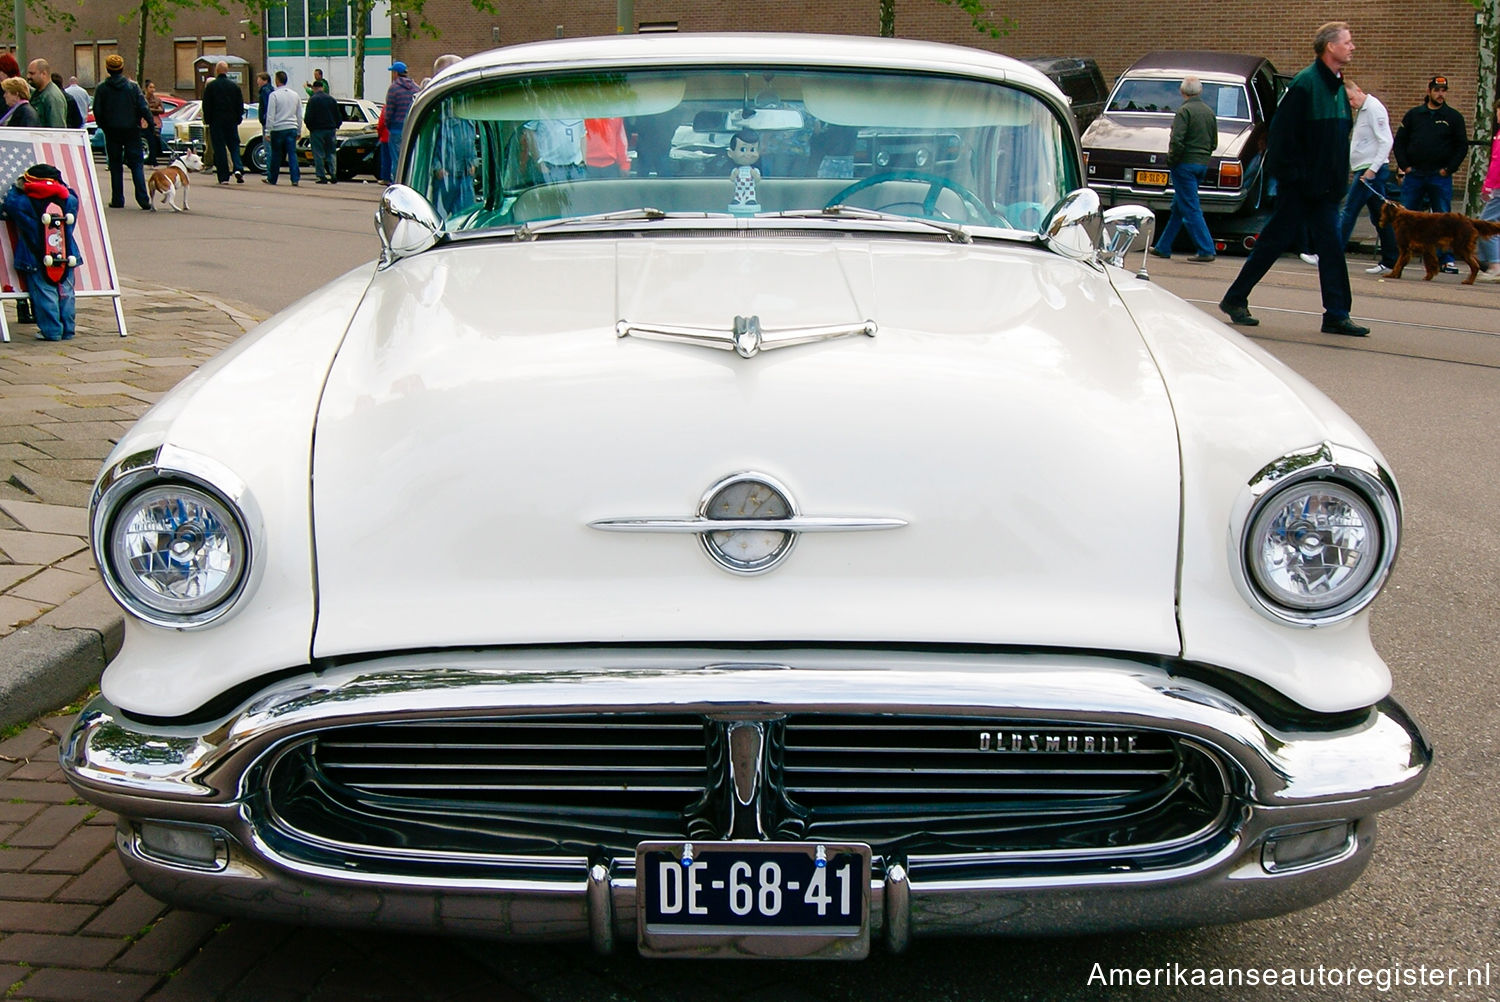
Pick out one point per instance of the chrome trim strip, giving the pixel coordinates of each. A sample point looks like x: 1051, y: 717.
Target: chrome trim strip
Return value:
x: 797, y: 523
x: 745, y: 338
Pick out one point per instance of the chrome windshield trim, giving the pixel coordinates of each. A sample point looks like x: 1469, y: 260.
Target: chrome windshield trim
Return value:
x: 745, y: 338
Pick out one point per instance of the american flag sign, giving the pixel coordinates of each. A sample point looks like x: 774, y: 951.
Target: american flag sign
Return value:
x: 67, y: 150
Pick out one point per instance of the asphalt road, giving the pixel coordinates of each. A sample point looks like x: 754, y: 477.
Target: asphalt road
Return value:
x: 1426, y: 384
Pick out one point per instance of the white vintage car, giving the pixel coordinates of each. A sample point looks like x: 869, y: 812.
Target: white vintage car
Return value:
x: 770, y: 565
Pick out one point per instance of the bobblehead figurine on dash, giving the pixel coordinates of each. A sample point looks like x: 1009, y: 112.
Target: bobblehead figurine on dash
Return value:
x: 744, y: 151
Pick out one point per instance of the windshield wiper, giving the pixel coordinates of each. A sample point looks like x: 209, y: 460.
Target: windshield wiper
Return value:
x: 528, y: 231
x: 953, y: 231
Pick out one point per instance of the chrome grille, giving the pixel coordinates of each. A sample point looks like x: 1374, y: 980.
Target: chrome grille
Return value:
x: 559, y: 783
x: 970, y: 783
x: 571, y: 785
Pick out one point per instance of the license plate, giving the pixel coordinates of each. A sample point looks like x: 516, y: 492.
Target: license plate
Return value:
x: 1156, y: 178
x: 753, y: 899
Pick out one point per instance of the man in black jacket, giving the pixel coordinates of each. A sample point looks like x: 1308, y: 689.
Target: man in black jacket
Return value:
x: 119, y: 109
x: 223, y: 110
x: 1308, y: 155
x: 1430, y: 146
x: 322, y: 119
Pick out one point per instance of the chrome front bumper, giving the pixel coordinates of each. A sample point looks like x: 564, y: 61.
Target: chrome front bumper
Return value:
x: 1322, y: 785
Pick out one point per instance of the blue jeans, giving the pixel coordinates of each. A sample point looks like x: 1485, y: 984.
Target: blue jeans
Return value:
x: 1489, y: 247
x: 1431, y: 191
x: 1369, y: 193
x: 1282, y: 233
x: 284, y: 148
x: 395, y: 147
x: 1187, y: 211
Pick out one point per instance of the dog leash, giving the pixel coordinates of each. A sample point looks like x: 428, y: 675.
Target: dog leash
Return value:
x: 1371, y: 188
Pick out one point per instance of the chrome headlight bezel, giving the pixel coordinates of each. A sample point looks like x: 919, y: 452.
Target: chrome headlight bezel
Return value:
x: 127, y: 481
x: 1343, y: 468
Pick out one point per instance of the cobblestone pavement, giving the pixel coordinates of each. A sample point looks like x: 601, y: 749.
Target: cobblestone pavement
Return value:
x: 73, y: 926
x: 62, y: 406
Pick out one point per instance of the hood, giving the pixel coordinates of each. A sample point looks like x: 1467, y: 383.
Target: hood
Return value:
x: 1137, y: 133
x: 482, y: 412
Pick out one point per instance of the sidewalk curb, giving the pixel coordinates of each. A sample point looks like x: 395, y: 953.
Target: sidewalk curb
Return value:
x: 44, y: 667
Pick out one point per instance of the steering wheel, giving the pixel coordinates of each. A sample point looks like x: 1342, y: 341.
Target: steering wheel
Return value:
x: 936, y: 183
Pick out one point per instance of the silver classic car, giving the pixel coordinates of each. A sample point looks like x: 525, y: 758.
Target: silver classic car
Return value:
x: 771, y: 552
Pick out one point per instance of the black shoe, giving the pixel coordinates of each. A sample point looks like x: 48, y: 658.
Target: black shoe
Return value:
x: 1205, y: 258
x: 1161, y: 254
x: 321, y: 180
x: 1239, y: 315
x: 117, y: 205
x: 1346, y: 327
x: 239, y: 177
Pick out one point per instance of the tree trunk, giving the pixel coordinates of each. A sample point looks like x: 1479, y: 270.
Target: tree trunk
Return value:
x: 360, y: 11
x: 140, y: 50
x: 1486, y: 93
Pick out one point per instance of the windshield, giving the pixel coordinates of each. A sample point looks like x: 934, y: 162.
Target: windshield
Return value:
x: 740, y: 142
x: 1155, y: 94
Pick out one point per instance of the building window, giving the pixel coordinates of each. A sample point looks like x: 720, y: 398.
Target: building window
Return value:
x: 83, y: 65
x: 184, y: 52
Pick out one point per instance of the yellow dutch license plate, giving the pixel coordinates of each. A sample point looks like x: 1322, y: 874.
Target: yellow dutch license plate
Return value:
x: 1156, y: 178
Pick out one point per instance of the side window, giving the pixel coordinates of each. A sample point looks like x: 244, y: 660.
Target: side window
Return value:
x: 1265, y: 93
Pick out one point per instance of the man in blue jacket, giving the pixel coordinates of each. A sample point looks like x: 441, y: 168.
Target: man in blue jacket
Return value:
x: 1308, y: 155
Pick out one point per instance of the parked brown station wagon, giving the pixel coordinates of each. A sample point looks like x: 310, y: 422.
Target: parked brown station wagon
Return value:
x: 1127, y: 145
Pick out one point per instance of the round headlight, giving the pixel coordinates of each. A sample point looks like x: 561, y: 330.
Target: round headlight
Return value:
x: 177, y: 551
x: 1314, y: 546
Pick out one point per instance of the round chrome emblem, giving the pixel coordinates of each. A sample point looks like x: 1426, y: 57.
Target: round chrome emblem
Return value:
x: 741, y: 498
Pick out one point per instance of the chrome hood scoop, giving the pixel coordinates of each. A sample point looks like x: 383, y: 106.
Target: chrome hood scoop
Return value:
x: 954, y: 461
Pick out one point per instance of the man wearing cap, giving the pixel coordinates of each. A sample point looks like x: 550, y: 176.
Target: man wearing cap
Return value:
x: 398, y: 100
x: 1430, y: 146
x: 119, y: 109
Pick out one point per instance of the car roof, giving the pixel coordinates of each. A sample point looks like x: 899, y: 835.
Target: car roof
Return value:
x: 1176, y: 62
x: 707, y: 47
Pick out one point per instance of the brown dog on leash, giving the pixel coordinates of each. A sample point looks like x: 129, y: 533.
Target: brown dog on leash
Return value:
x: 1429, y: 232
x: 168, y: 181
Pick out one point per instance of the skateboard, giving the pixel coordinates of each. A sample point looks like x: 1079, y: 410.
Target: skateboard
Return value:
x: 55, y: 257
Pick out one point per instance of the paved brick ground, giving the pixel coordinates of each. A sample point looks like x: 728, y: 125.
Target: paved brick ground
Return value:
x: 73, y: 927
x: 62, y: 407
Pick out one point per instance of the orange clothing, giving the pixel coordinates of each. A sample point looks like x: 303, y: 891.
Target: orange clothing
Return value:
x: 605, y: 144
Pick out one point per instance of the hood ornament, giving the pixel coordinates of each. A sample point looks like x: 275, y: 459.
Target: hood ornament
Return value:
x: 746, y: 337
x: 747, y: 523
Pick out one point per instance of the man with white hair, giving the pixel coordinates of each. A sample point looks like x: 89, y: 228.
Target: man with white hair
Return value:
x: 1195, y: 134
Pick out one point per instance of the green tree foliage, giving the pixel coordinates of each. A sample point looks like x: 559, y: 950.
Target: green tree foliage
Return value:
x: 158, y: 16
x: 408, y: 19
x: 980, y: 17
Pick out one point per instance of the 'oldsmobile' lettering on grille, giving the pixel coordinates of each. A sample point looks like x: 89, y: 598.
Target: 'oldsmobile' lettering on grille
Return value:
x: 1042, y: 742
